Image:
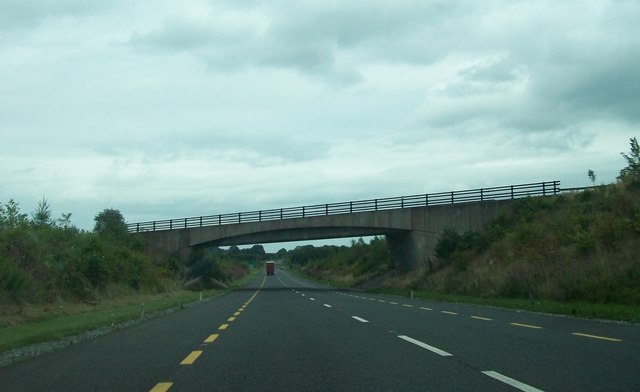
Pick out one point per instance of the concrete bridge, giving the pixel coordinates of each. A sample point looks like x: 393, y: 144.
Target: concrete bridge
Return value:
x: 411, y: 224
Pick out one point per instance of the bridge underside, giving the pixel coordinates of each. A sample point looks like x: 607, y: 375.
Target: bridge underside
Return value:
x: 411, y: 232
x: 292, y: 235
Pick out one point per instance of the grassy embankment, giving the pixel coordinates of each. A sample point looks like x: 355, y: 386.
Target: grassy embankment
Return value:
x: 36, y: 323
x: 574, y: 254
x: 56, y: 280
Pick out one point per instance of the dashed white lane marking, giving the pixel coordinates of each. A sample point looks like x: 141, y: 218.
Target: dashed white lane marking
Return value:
x: 510, y: 381
x: 313, y: 299
x: 525, y: 326
x: 423, y: 308
x: 327, y: 305
x: 596, y: 337
x: 303, y: 295
x: 425, y: 346
x: 360, y: 319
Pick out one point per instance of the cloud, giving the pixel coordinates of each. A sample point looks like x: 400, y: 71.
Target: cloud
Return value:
x: 209, y: 107
x: 29, y: 13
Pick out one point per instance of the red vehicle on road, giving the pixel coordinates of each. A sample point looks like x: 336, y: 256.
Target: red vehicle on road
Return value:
x: 271, y: 268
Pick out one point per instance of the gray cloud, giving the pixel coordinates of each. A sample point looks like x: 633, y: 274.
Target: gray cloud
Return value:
x: 221, y: 106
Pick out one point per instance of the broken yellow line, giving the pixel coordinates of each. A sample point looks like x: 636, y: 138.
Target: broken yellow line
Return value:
x: 211, y: 338
x: 191, y: 358
x: 596, y: 337
x: 230, y: 319
x: 236, y: 314
x: 161, y: 387
x: 223, y: 327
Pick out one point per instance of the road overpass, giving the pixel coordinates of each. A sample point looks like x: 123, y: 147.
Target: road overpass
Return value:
x: 411, y: 224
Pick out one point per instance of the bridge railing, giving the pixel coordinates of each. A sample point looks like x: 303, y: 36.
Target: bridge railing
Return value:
x: 546, y: 188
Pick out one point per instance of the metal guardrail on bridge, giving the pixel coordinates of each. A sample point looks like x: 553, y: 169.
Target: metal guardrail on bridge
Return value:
x: 508, y: 192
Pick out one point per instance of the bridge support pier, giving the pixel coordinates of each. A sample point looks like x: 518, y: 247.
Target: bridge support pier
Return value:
x: 412, y: 250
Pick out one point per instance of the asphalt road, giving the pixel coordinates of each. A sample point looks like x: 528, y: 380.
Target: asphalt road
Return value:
x: 285, y: 334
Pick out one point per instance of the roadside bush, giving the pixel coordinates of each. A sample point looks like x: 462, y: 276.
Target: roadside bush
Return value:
x: 43, y: 258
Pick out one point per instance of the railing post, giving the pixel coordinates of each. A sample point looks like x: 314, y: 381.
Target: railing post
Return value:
x: 481, y: 194
x: 260, y: 216
x: 219, y: 219
x: 350, y: 207
x: 170, y: 224
x: 303, y: 211
x: 281, y: 214
x: 137, y: 227
x: 426, y: 200
x: 375, y: 205
x: 326, y: 209
x: 239, y: 218
x: 154, y: 225
x: 200, y: 221
x: 402, y: 202
x: 452, y: 202
x: 185, y: 223
x: 511, y: 191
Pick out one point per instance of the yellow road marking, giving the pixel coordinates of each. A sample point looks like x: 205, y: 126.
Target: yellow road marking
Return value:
x: 191, y: 358
x: 211, y: 338
x: 161, y: 387
x: 223, y: 327
x: 236, y: 314
x: 596, y: 337
x: 230, y: 319
x: 525, y: 325
x: 447, y: 312
x: 425, y: 308
x: 481, y: 318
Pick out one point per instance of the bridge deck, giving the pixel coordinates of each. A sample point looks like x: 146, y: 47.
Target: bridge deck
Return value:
x: 424, y: 200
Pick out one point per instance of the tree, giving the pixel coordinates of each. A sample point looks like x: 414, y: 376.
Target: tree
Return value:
x: 110, y: 224
x: 10, y: 216
x: 632, y: 171
x: 65, y: 221
x: 42, y: 215
x: 592, y: 176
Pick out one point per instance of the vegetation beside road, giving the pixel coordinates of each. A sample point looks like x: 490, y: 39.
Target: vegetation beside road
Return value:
x: 573, y: 253
x: 343, y: 266
x: 56, y: 280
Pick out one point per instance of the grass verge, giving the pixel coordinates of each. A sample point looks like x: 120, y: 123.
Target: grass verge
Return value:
x: 105, y: 314
x: 45, y: 325
x: 614, y: 312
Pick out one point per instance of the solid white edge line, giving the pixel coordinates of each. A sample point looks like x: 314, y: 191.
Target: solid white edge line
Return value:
x: 510, y: 381
x: 425, y: 346
x: 360, y: 319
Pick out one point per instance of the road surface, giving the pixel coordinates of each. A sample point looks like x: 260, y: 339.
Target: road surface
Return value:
x: 282, y: 333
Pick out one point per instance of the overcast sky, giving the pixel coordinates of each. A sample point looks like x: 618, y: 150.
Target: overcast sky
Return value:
x: 166, y: 109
